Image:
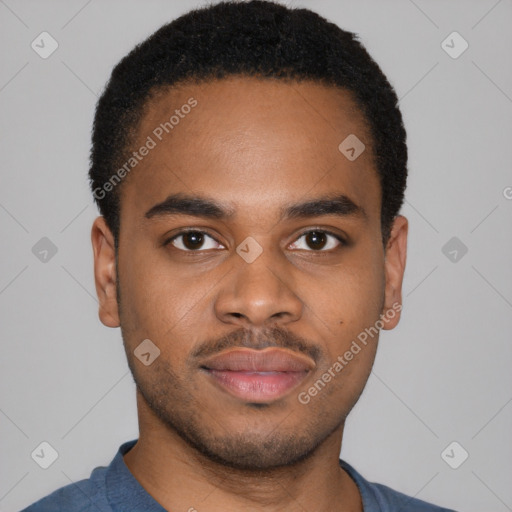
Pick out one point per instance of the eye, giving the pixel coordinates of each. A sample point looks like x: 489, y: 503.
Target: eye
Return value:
x: 190, y: 241
x: 195, y: 241
x: 319, y: 241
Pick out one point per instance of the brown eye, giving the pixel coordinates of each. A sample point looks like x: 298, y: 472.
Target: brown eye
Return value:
x: 190, y: 241
x: 318, y: 240
x: 193, y: 240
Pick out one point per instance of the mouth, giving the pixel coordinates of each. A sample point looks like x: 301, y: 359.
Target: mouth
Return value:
x: 258, y: 376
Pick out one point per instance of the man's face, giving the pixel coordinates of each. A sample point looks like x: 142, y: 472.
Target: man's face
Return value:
x: 278, y: 304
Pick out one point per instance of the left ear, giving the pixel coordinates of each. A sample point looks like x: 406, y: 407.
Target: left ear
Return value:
x: 394, y: 266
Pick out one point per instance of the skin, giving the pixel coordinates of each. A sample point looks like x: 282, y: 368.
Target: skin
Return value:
x: 255, y: 146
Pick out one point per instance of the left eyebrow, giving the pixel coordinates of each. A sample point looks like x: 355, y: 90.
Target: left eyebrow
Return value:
x: 181, y: 204
x: 340, y: 205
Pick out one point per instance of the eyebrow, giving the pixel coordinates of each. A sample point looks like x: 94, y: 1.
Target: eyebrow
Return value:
x: 182, y: 204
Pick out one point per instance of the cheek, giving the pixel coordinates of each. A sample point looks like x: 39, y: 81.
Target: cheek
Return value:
x: 353, y: 295
x: 352, y: 305
x: 160, y: 303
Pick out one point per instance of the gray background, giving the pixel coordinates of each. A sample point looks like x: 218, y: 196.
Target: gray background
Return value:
x: 443, y: 375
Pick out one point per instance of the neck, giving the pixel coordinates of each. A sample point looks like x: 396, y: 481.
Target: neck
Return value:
x: 180, y: 478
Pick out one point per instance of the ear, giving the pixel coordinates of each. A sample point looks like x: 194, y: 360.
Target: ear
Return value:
x: 105, y: 272
x: 394, y: 266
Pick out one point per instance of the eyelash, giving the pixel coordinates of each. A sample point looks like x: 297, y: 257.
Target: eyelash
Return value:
x: 340, y: 239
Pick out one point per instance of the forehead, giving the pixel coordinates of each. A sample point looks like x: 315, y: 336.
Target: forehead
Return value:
x: 249, y: 138
x: 235, y: 103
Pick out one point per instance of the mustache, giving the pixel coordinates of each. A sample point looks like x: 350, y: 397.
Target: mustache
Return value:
x: 258, y: 339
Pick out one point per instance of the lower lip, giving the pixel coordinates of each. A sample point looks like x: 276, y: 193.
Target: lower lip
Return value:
x: 257, y: 386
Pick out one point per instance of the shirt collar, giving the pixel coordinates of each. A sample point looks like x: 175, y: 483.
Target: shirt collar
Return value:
x: 125, y: 494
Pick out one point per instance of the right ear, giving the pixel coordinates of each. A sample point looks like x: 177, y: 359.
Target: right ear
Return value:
x: 105, y: 272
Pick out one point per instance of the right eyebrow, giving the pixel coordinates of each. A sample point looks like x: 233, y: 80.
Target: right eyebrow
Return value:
x: 177, y: 204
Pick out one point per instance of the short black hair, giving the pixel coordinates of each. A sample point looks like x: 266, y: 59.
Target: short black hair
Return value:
x: 255, y: 38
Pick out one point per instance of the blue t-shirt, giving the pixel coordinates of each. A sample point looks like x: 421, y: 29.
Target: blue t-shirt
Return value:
x: 115, y: 489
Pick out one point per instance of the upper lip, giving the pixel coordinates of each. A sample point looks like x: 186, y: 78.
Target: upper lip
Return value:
x: 267, y: 360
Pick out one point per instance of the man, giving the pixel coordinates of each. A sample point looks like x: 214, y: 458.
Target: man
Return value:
x: 249, y: 163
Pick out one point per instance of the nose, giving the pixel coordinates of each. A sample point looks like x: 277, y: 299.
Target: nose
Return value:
x: 259, y: 293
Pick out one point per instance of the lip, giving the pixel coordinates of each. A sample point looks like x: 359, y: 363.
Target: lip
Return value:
x: 258, y: 375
